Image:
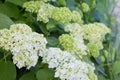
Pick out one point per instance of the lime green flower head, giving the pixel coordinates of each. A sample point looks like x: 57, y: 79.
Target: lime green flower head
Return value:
x: 85, y: 7
x: 67, y: 42
x: 94, y: 50
x: 32, y: 6
x: 62, y: 14
x: 76, y: 17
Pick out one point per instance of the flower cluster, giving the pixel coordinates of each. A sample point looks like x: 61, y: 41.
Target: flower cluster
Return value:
x: 32, y: 6
x: 76, y: 16
x: 45, y: 11
x: 67, y: 42
x: 95, y: 33
x: 24, y: 44
x: 62, y: 14
x: 78, y: 42
x: 73, y: 44
x: 94, y: 50
x: 67, y: 66
x: 4, y: 37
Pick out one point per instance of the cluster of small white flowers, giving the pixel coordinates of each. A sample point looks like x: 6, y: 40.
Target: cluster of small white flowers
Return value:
x: 75, y: 70
x: 55, y: 57
x: 4, y: 37
x: 75, y: 31
x: 25, y: 45
x: 95, y: 33
x: 44, y: 12
x: 67, y: 66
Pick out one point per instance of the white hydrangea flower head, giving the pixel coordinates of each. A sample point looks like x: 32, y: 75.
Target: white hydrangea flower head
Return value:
x: 76, y: 32
x: 95, y: 33
x: 44, y: 12
x: 55, y: 57
x: 67, y: 66
x: 76, y: 70
x: 24, y: 44
x: 73, y: 28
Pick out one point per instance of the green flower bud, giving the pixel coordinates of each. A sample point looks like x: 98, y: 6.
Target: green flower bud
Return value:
x: 102, y: 58
x: 62, y: 14
x: 94, y: 50
x: 76, y: 17
x: 62, y: 2
x: 85, y: 7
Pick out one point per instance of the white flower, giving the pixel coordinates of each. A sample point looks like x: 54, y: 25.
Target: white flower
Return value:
x: 67, y: 66
x: 75, y: 70
x: 55, y: 57
x: 24, y: 44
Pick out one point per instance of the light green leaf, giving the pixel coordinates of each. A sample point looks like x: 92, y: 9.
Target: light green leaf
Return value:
x: 100, y: 77
x: 116, y: 67
x: 5, y: 21
x: 28, y: 76
x: 45, y: 74
x: 7, y: 71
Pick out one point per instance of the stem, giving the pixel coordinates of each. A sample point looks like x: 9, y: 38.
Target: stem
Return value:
x: 5, y: 56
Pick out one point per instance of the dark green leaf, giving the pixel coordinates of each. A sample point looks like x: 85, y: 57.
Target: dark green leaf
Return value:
x: 17, y: 2
x: 45, y: 74
x: 52, y: 41
x: 50, y: 26
x: 9, y: 9
x: 28, y: 76
x: 7, y: 71
x: 70, y: 4
x: 5, y: 21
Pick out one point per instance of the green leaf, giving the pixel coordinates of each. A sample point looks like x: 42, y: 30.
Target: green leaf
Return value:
x: 116, y: 67
x: 5, y: 21
x: 43, y: 28
x: 52, y: 41
x: 70, y: 4
x: 9, y: 9
x: 28, y: 76
x: 17, y: 2
x: 100, y: 77
x: 50, y: 26
x: 45, y: 74
x: 7, y: 71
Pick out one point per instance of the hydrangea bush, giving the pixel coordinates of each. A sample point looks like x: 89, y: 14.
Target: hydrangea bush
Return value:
x: 56, y: 42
